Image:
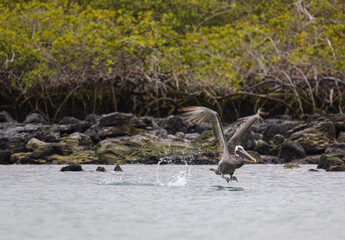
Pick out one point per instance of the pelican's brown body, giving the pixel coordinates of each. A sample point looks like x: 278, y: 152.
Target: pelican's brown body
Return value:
x: 231, y: 154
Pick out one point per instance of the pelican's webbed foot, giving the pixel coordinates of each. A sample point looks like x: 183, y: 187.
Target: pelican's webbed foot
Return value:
x: 233, y: 178
x: 226, y: 178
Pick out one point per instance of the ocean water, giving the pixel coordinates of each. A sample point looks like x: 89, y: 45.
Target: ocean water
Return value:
x: 171, y: 202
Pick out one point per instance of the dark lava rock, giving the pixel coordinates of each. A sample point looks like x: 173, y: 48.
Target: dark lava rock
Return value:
x: 337, y: 168
x: 341, y: 137
x: 174, y: 124
x: 69, y: 125
x: 5, y: 157
x: 119, y: 124
x: 311, y: 159
x: 278, y: 139
x: 92, y: 118
x: 263, y: 147
x: 5, y: 117
x: 291, y: 150
x: 336, y: 148
x: 272, y: 130
x: 313, y: 170
x: 69, y: 120
x: 116, y: 119
x: 72, y: 167
x: 35, y: 118
x: 291, y: 165
x: 117, y: 168
x: 312, y: 140
x: 101, y: 169
x: 329, y: 160
x: 147, y: 122
x: 92, y: 132
x: 267, y: 159
x: 15, y: 137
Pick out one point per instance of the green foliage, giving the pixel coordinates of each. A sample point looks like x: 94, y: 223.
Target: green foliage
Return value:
x: 223, y: 44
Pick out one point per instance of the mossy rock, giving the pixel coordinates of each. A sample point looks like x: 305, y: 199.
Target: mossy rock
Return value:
x: 291, y: 165
x: 22, y: 157
x: 313, y: 141
x: 329, y: 160
x: 50, y: 149
x: 206, y: 145
x: 80, y: 157
x: 337, y: 168
x: 140, y: 149
x: 34, y: 143
x: 111, y: 131
x: 263, y: 147
x: 78, y: 141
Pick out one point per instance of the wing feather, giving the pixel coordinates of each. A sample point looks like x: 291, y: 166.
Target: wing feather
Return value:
x: 242, y: 126
x: 203, y: 114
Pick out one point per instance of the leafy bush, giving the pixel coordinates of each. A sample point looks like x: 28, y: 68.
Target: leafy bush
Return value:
x: 166, y: 53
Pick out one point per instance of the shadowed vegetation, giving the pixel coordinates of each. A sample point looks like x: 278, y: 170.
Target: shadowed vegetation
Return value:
x: 151, y: 57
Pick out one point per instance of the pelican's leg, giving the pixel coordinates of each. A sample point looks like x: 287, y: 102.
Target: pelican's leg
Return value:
x: 233, y: 178
x: 227, y: 179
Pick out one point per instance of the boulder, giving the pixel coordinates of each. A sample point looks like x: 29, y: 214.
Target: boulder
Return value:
x: 290, y: 151
x: 5, y: 156
x: 69, y: 125
x: 69, y: 120
x: 143, y: 148
x: 278, y: 139
x: 268, y: 159
x: 117, y: 168
x: 92, y: 132
x: 81, y: 157
x: 35, y: 118
x: 337, y: 168
x: 263, y: 147
x: 312, y: 140
x: 291, y: 165
x: 122, y: 124
x: 5, y: 117
x: 72, y: 167
x: 15, y: 137
x: 78, y: 141
x: 336, y: 148
x: 329, y: 160
x: 92, y: 118
x: 174, y: 124
x: 34, y: 143
x: 42, y: 153
x: 281, y: 128
x: 101, y: 169
x: 341, y: 137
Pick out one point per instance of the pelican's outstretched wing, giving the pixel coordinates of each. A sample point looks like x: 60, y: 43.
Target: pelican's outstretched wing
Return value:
x: 203, y: 114
x: 242, y: 125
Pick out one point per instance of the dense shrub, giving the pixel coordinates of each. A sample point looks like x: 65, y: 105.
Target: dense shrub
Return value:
x: 155, y: 56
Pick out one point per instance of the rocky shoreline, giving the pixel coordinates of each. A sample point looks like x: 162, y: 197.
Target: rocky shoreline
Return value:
x: 123, y: 138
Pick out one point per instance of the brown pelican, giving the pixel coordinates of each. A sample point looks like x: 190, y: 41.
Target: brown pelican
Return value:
x: 231, y: 154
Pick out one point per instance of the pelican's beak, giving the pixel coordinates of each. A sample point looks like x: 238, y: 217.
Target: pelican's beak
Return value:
x: 242, y: 153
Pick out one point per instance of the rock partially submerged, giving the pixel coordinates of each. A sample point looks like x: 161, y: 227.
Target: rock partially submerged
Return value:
x: 74, y: 167
x: 117, y: 168
x: 291, y: 165
x: 331, y: 162
x: 100, y: 169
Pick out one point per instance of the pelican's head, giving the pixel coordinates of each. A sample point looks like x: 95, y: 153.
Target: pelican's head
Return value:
x: 240, y: 152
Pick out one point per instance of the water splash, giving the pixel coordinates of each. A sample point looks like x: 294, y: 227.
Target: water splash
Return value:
x: 178, y: 180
